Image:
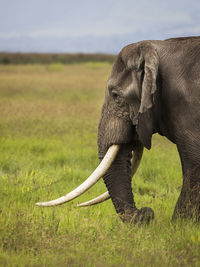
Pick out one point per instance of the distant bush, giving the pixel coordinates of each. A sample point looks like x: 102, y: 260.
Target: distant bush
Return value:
x: 37, y: 58
x: 96, y: 64
x: 56, y: 67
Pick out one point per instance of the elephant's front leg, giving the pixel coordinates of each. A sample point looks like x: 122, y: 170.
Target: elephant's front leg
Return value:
x: 188, y: 204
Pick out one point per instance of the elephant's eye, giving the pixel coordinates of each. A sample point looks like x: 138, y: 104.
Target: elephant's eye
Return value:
x: 115, y: 95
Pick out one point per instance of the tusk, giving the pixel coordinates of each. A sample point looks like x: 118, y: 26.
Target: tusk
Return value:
x: 135, y: 162
x: 91, y: 180
x: 96, y: 200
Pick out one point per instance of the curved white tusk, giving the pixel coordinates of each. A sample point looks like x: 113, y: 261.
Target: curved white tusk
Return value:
x: 135, y: 162
x: 103, y: 197
x: 91, y: 180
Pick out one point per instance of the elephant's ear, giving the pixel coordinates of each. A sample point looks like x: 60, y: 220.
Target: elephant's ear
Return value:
x: 144, y: 125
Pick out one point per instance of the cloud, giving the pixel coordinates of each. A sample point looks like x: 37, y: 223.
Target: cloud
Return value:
x: 119, y: 20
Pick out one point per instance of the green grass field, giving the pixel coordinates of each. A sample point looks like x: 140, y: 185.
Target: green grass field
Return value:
x: 48, y: 134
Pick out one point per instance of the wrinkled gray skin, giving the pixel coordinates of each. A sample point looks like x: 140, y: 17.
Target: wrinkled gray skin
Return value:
x: 154, y: 87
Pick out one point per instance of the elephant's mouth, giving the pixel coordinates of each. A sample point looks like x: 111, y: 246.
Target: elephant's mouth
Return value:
x: 99, y: 172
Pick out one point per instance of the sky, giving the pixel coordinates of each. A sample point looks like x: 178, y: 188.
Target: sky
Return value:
x: 90, y: 26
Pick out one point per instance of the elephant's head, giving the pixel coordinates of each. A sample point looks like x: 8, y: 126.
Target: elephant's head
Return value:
x: 126, y: 125
x: 128, y: 120
x: 130, y: 97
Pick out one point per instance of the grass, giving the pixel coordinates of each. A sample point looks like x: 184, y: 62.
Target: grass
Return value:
x: 56, y: 67
x: 48, y: 131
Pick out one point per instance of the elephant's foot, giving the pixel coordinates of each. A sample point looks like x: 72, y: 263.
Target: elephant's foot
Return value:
x: 142, y: 216
x: 188, y: 205
x: 187, y: 212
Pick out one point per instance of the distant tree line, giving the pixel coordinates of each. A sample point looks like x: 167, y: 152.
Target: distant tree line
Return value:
x: 44, y: 58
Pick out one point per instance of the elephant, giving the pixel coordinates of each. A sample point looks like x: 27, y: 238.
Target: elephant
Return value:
x: 154, y: 87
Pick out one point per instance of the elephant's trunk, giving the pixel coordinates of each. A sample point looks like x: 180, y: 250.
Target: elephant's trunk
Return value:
x: 135, y: 162
x: 118, y: 182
